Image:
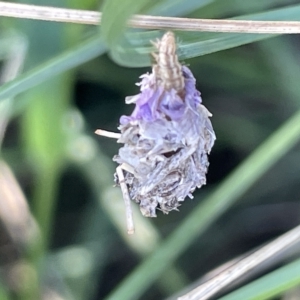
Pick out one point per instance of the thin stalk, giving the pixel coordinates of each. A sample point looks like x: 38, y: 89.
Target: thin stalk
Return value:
x: 68, y: 59
x: 231, y: 274
x: 270, y: 285
x: 46, y: 13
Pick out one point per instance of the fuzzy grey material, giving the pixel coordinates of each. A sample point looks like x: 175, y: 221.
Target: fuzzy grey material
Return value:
x: 166, y: 140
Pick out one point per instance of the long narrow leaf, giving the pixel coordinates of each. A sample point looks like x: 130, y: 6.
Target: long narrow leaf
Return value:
x: 135, y: 49
x: 177, y: 7
x: 115, y: 14
x: 61, y: 63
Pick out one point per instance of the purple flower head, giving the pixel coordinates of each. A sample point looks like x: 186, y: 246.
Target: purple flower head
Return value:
x: 167, y: 138
x: 154, y: 102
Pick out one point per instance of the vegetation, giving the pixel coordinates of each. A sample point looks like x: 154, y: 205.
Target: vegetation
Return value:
x: 65, y: 234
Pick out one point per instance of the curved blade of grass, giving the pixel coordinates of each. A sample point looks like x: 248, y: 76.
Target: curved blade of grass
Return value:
x: 177, y: 7
x: 270, y: 285
x: 61, y: 63
x: 234, y: 7
x: 235, y: 185
x: 115, y: 14
x: 191, y: 45
x: 135, y: 49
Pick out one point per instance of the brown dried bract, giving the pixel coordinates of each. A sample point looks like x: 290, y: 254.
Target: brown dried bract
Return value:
x: 167, y: 68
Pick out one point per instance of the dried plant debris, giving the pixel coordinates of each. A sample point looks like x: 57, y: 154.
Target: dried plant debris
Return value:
x: 167, y: 138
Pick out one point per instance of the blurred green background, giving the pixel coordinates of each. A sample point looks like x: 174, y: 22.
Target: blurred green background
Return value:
x: 70, y: 242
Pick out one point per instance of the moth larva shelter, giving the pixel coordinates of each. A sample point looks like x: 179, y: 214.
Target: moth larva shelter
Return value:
x: 167, y: 138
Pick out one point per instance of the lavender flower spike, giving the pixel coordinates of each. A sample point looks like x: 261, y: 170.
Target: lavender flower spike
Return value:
x: 168, y: 136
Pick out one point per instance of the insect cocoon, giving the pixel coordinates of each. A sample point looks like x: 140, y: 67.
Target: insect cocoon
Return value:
x: 167, y: 138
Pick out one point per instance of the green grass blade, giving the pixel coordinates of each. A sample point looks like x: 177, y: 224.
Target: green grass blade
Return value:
x: 177, y: 7
x: 135, y: 49
x: 235, y: 185
x: 115, y: 14
x: 61, y: 63
x: 270, y: 285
